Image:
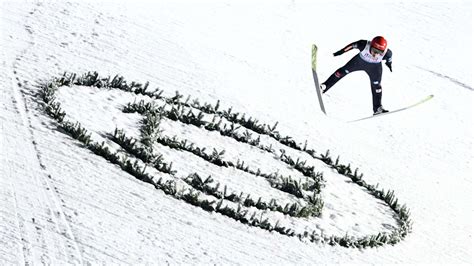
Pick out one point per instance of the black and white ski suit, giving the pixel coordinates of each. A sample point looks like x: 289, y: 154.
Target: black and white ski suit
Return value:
x: 371, y: 64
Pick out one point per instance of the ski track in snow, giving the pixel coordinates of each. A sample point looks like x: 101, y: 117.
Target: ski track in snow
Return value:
x: 60, y: 204
x: 45, y: 232
x: 453, y: 80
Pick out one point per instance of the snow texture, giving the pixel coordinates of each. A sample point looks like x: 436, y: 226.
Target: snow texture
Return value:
x: 61, y: 204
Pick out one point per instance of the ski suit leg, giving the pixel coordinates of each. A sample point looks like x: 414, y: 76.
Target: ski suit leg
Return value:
x: 375, y: 75
x: 354, y: 64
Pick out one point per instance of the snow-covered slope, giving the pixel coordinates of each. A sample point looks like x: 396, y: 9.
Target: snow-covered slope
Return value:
x: 60, y: 203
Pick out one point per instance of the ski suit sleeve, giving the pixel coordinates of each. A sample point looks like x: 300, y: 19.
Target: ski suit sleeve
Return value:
x: 388, y: 59
x: 358, y: 44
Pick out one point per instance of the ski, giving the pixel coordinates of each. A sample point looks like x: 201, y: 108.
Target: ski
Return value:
x: 397, y: 110
x: 315, y: 77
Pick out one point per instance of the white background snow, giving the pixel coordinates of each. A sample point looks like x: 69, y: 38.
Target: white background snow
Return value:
x: 62, y: 204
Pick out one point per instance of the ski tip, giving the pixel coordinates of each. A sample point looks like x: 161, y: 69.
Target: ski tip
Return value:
x: 431, y: 96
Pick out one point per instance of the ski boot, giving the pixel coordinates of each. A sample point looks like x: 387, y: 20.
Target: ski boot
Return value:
x: 380, y: 110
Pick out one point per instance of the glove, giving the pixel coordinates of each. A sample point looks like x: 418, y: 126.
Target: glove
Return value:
x: 389, y: 65
x: 338, y: 53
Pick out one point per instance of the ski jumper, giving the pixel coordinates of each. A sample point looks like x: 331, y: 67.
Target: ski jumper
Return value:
x: 366, y: 61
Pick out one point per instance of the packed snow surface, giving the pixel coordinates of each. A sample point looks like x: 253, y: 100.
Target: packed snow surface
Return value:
x: 62, y: 204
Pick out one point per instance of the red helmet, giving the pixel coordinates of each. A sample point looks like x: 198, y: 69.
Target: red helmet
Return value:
x: 379, y: 43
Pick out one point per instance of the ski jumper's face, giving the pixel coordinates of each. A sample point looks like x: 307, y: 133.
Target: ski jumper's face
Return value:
x: 374, y: 51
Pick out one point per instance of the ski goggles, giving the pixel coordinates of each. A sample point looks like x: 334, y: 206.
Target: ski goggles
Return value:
x: 375, y: 50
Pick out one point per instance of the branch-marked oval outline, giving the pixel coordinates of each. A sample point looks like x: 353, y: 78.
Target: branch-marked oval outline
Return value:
x: 140, y: 154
